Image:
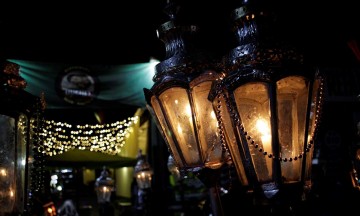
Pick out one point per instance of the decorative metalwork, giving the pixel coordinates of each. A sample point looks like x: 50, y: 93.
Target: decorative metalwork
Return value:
x: 268, y: 105
x: 19, y: 138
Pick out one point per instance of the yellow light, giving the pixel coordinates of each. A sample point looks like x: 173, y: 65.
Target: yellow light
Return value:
x: 3, y: 172
x: 85, y: 136
x: 264, y: 130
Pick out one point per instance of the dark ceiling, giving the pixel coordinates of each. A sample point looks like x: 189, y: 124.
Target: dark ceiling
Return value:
x: 93, y: 33
x: 125, y: 31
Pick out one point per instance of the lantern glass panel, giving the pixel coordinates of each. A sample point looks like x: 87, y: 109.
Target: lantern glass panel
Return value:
x: 143, y: 179
x: 22, y: 128
x: 315, y: 100
x: 7, y: 164
x: 103, y: 193
x: 167, y: 132
x: 206, y: 123
x: 292, y: 100
x: 252, y: 101
x: 235, y: 149
x: 178, y: 112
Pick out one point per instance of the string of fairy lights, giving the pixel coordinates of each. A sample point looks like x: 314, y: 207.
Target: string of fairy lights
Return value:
x: 60, y: 137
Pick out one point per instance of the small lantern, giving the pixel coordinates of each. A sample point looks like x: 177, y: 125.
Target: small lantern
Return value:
x: 104, y: 187
x: 143, y: 175
x: 173, y: 169
x: 143, y: 172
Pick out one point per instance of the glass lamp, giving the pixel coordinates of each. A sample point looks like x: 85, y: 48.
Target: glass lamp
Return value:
x: 104, y: 187
x: 143, y: 175
x: 178, y: 102
x: 173, y: 169
x: 265, y: 104
x: 178, y: 98
x: 143, y: 172
x: 19, y: 119
x: 268, y: 106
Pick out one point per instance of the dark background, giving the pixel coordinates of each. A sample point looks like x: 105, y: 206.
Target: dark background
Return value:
x: 125, y: 32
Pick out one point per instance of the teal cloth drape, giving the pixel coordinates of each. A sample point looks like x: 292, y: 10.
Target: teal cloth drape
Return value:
x: 118, y: 84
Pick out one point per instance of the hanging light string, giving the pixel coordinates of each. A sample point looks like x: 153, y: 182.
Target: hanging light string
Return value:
x: 60, y: 137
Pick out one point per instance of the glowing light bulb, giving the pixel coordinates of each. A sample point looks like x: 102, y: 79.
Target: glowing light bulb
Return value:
x: 263, y: 128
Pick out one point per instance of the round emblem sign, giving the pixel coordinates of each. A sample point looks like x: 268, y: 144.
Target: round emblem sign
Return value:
x: 77, y: 86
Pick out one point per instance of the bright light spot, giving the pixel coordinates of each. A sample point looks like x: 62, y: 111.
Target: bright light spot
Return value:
x: 212, y: 114
x: 66, y: 170
x: 188, y: 110
x: 59, y: 188
x: 49, y: 210
x: 3, y: 172
x: 264, y: 130
x: 179, y: 129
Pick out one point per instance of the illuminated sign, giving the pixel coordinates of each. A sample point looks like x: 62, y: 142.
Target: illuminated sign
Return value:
x: 77, y: 86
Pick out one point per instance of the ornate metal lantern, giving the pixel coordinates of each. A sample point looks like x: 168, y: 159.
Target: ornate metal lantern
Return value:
x: 104, y: 187
x: 268, y: 106
x: 178, y: 99
x: 143, y: 172
x: 19, y: 140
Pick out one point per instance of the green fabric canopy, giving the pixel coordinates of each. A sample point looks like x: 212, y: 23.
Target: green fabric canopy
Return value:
x: 118, y: 85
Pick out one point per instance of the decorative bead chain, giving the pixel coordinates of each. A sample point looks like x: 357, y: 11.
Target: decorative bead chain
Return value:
x: 220, y: 94
x: 225, y: 150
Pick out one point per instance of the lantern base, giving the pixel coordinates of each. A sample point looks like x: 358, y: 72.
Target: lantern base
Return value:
x: 210, y: 178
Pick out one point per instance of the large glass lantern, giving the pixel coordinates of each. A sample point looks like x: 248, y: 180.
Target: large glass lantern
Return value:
x: 19, y: 119
x: 268, y: 106
x: 178, y: 99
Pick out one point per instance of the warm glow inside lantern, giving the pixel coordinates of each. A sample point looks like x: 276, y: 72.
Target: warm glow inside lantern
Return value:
x: 143, y: 172
x: 178, y: 99
x: 268, y: 106
x: 267, y: 103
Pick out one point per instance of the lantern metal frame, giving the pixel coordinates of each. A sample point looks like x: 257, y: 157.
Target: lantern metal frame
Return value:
x: 21, y: 157
x: 178, y: 101
x: 143, y: 176
x: 263, y: 62
x: 266, y: 73
x: 143, y: 172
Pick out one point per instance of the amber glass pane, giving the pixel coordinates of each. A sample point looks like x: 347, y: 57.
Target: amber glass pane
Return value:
x: 292, y: 100
x: 178, y: 111
x: 231, y: 143
x: 164, y: 128
x: 252, y: 101
x: 207, y: 125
